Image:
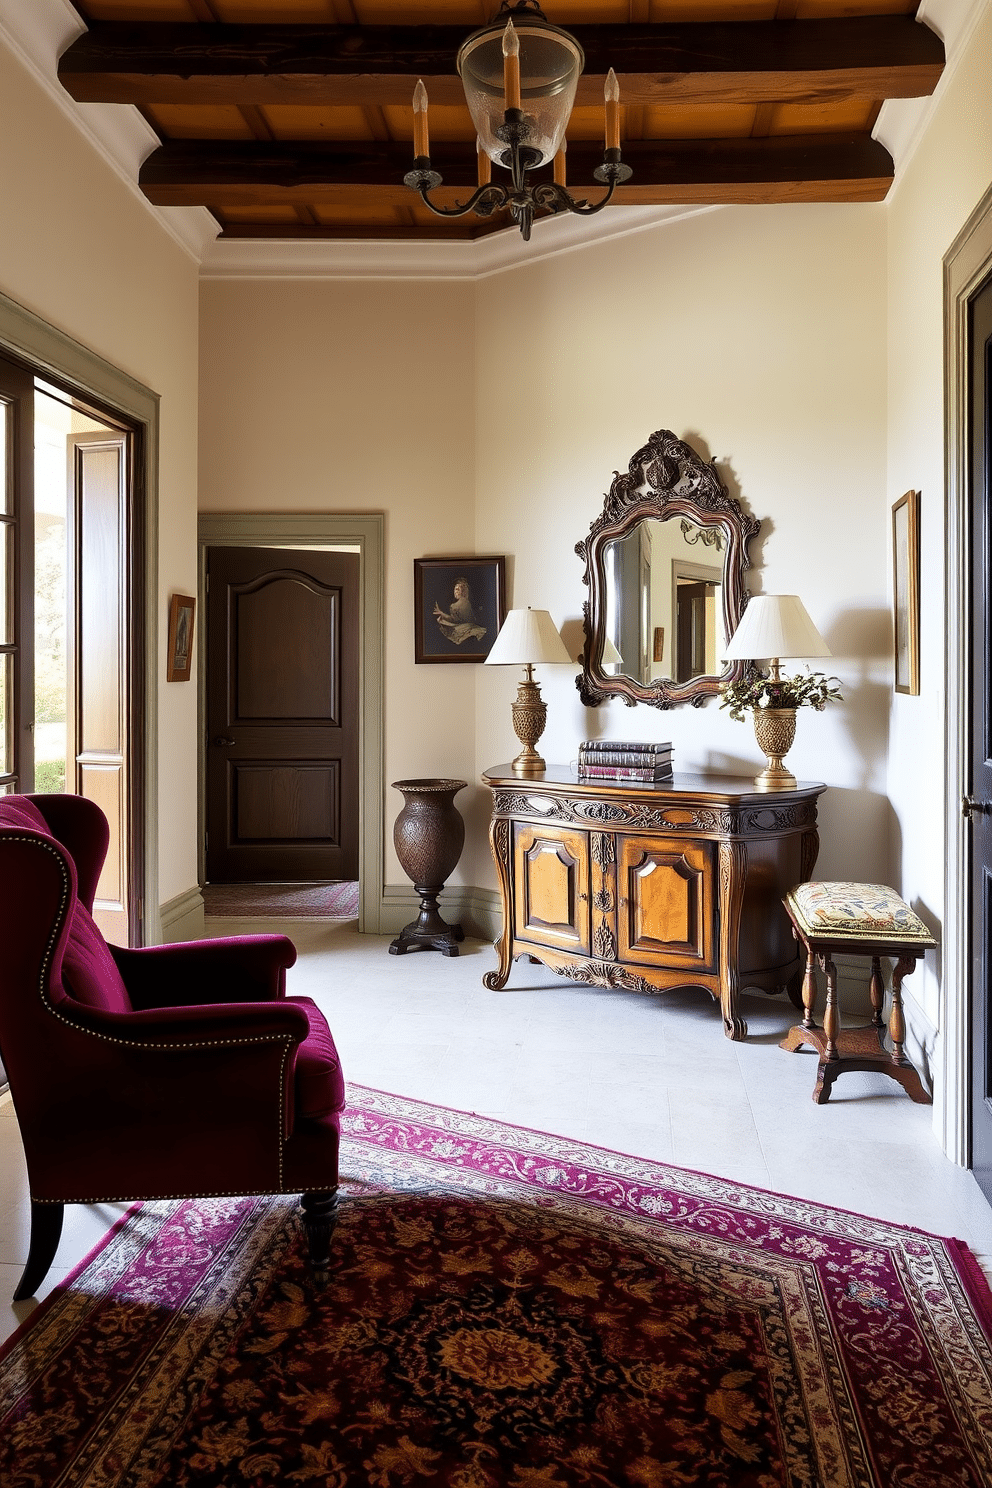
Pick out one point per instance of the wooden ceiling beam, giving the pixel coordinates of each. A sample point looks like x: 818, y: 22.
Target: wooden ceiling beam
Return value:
x: 740, y: 62
x: 224, y: 174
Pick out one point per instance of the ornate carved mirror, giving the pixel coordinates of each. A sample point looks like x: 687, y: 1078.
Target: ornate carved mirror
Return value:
x: 665, y: 565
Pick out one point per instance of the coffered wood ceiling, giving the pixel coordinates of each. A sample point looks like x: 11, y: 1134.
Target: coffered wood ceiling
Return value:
x: 293, y: 118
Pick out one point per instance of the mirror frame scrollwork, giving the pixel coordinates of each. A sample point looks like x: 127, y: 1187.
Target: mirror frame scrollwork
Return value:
x: 665, y: 478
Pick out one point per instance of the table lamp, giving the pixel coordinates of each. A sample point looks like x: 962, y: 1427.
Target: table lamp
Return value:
x: 528, y: 638
x: 775, y: 626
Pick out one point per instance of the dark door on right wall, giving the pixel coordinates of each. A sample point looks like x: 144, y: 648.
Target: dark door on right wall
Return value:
x: 282, y: 715
x: 980, y: 706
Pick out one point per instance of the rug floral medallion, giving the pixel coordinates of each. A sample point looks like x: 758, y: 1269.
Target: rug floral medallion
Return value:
x: 507, y: 1309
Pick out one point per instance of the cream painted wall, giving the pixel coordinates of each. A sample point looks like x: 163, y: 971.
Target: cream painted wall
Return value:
x: 950, y: 170
x: 758, y: 335
x: 79, y: 249
x: 342, y: 397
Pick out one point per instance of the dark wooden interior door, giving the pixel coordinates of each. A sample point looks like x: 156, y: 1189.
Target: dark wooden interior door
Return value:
x: 978, y: 803
x: 282, y: 715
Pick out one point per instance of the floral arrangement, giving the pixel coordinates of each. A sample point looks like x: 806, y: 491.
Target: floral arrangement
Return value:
x: 812, y: 690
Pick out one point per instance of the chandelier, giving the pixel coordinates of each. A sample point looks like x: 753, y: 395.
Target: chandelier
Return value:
x: 520, y: 79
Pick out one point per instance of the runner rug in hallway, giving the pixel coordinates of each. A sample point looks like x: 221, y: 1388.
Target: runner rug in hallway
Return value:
x: 507, y: 1310
x: 323, y: 901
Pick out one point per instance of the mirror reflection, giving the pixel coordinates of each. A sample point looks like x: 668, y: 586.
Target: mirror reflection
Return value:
x: 663, y: 601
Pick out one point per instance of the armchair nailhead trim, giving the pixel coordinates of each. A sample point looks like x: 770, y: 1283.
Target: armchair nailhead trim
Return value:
x: 109, y: 1038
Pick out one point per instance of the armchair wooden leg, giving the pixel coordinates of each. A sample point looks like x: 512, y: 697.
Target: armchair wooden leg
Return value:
x: 319, y: 1218
x: 46, y: 1231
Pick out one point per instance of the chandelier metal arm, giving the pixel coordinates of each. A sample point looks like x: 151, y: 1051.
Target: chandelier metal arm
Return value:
x: 484, y: 201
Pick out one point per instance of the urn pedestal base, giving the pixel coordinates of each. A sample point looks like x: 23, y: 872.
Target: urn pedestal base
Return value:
x: 428, y: 836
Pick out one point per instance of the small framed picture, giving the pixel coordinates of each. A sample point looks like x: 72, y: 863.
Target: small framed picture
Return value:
x: 181, y: 609
x: 459, y: 606
x: 906, y: 591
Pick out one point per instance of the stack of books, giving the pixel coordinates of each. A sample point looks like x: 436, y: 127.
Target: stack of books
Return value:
x: 617, y: 759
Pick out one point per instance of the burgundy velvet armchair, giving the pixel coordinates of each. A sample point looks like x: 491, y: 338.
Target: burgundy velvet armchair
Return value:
x: 166, y: 1072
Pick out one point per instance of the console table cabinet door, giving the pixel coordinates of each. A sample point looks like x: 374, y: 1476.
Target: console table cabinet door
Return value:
x: 551, y: 869
x: 666, y: 902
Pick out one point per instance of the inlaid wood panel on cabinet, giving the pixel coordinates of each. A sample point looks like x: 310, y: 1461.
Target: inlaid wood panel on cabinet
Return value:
x: 666, y: 901
x: 647, y: 887
x: 551, y: 865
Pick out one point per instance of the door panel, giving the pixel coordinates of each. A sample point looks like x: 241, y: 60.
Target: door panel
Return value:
x: 99, y: 707
x: 17, y: 568
x: 980, y: 788
x: 666, y: 901
x: 282, y: 702
x: 551, y: 866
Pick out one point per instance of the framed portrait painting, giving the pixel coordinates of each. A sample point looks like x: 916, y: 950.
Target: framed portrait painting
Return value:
x: 180, y: 656
x: 906, y: 591
x: 459, y: 606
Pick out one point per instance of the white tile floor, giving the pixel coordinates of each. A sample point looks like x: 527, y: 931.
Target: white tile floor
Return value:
x: 648, y: 1075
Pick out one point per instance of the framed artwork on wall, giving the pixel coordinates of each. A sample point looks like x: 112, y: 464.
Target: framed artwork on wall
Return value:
x: 906, y: 591
x: 459, y: 606
x: 180, y: 654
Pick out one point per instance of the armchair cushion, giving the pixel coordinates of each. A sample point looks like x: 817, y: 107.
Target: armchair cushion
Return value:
x: 319, y: 1082
x: 18, y: 811
x: 89, y: 972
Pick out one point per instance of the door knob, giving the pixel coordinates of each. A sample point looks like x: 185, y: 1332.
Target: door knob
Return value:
x: 223, y: 739
x: 969, y: 805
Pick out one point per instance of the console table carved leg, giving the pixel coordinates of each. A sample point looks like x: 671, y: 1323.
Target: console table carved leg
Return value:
x: 499, y: 839
x: 733, y: 871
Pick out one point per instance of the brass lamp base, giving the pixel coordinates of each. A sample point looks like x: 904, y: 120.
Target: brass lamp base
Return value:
x: 530, y: 713
x: 775, y: 729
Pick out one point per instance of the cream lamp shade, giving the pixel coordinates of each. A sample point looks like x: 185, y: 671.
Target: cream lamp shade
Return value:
x: 529, y: 638
x: 775, y: 625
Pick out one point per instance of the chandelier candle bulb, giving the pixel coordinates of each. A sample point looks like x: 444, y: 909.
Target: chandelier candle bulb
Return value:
x: 612, y: 94
x: 485, y: 165
x: 511, y: 68
x: 421, y: 146
x: 560, y: 164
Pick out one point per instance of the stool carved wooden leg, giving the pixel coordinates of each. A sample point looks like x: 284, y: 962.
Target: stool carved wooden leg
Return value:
x: 796, y: 1038
x: 830, y: 1065
x: 877, y: 992
x: 901, y: 1068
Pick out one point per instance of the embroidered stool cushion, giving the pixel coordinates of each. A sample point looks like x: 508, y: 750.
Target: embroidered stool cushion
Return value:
x: 856, y: 911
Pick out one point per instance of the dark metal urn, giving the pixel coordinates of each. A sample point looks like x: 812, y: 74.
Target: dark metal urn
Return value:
x: 428, y: 835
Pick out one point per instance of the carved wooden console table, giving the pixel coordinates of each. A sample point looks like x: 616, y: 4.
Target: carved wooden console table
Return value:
x: 646, y: 887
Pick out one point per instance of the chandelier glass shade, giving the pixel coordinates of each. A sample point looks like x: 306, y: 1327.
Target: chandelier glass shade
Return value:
x: 520, y: 75
x: 550, y: 64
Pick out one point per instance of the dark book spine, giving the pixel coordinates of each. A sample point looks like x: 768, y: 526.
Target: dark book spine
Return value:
x: 627, y: 757
x: 626, y: 772
x: 610, y: 746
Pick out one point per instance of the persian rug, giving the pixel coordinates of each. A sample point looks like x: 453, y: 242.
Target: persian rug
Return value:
x: 326, y: 901
x: 506, y: 1309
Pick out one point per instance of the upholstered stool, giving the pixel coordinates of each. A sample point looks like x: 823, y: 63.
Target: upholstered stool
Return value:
x: 860, y: 920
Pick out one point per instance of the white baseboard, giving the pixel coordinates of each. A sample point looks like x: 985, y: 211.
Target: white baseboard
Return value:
x: 476, y: 910
x: 182, y: 917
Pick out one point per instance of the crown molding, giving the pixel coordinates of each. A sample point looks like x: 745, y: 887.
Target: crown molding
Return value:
x: 276, y: 258
x: 37, y: 32
x: 902, y: 122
